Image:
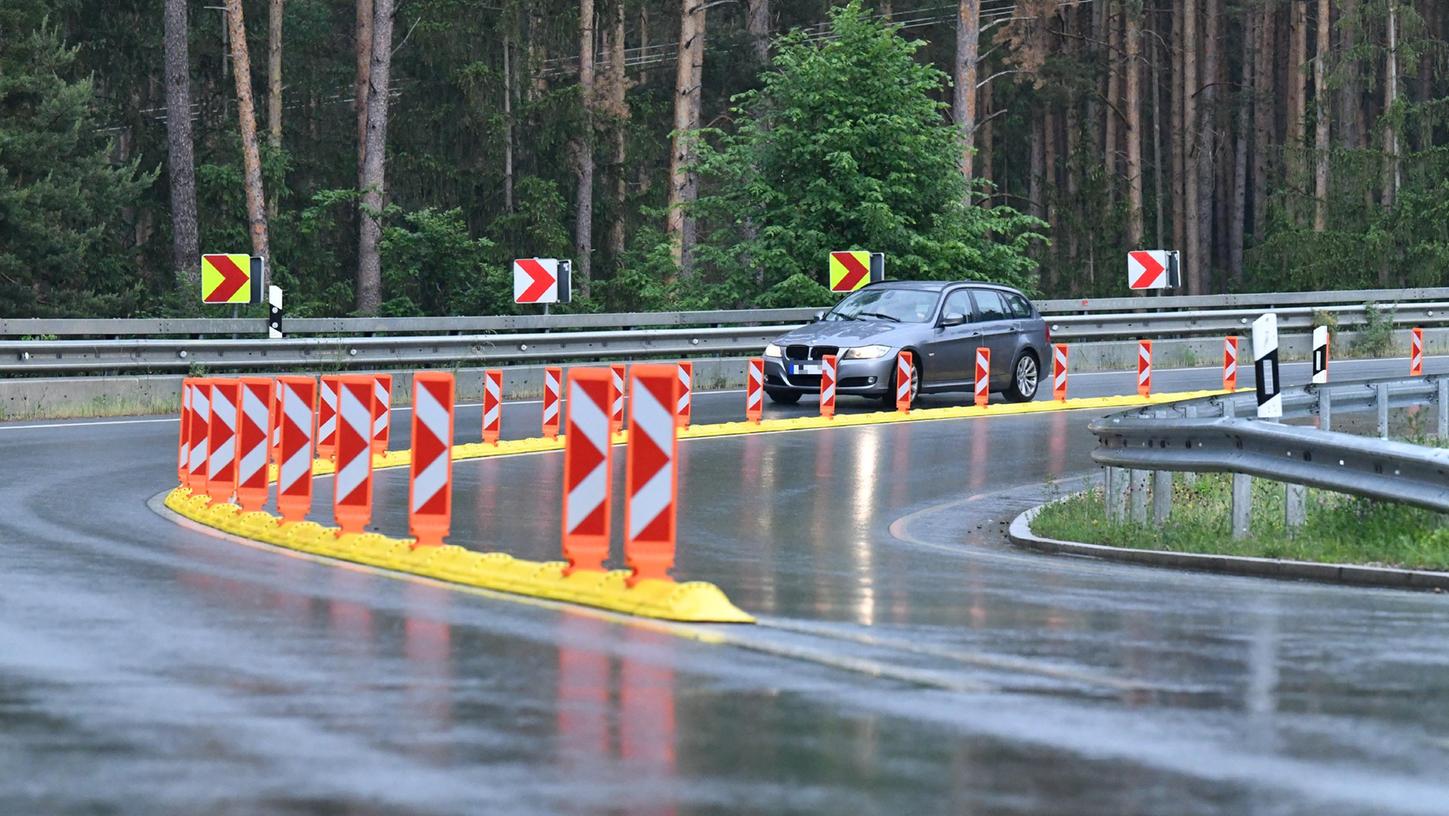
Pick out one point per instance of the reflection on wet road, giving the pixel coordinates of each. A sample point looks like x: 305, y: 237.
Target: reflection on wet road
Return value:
x: 907, y: 660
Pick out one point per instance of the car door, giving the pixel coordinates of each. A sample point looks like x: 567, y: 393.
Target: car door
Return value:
x: 949, y: 349
x: 998, y: 333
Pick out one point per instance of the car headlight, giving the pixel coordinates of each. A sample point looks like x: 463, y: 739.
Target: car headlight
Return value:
x: 866, y: 352
x: 772, y: 350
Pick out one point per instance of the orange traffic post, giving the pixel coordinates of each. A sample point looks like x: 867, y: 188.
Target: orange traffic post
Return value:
x: 1059, y: 372
x: 616, y: 397
x: 382, y: 416
x: 274, y: 423
x: 492, y: 405
x: 903, y: 382
x: 253, y: 439
x: 651, y: 472
x: 1416, y: 352
x: 352, y: 485
x: 221, y: 430
x: 1230, y: 363
x: 200, y: 421
x: 183, y: 446
x: 983, y: 376
x: 587, y: 469
x: 430, y: 484
x: 297, y: 423
x: 685, y: 404
x: 552, y: 378
x: 827, y: 386
x: 755, y: 390
x: 327, y: 417
x: 1144, y: 368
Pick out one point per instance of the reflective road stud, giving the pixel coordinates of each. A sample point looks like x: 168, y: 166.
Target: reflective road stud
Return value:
x: 983, y: 376
x: 253, y: 439
x: 587, y: 469
x: 686, y: 394
x: 1265, y: 366
x: 183, y: 447
x: 352, y: 486
x: 492, y: 405
x: 1320, y: 355
x: 755, y: 390
x: 1144, y: 368
x: 651, y: 472
x: 1416, y: 352
x: 297, y: 420
x: 430, y: 488
x: 382, y: 419
x: 200, y: 421
x: 827, y: 386
x: 551, y: 380
x: 1230, y: 363
x: 1059, y: 372
x: 616, y: 397
x: 327, y: 418
x: 221, y: 431
x: 903, y: 382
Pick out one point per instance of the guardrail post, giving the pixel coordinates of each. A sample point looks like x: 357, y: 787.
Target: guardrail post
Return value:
x: 1381, y: 402
x: 1139, y: 496
x: 1161, y: 496
x: 1242, y: 504
x: 1294, y: 512
x: 1115, y: 492
x: 1325, y: 409
x: 1443, y: 400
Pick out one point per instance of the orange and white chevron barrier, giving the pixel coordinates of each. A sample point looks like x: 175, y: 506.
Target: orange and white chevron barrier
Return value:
x: 1059, y: 372
x: 652, y: 472
x: 983, y: 376
x: 274, y: 422
x: 616, y: 397
x: 1416, y: 352
x: 755, y: 389
x: 297, y: 421
x: 552, y: 378
x: 685, y: 405
x: 1144, y: 368
x: 827, y: 386
x: 183, y: 444
x: 492, y: 405
x: 587, y: 469
x: 221, y: 433
x: 430, y: 483
x: 199, y: 420
x: 903, y: 382
x: 352, y: 484
x: 253, y: 439
x: 327, y: 417
x: 382, y: 418
x: 1230, y: 363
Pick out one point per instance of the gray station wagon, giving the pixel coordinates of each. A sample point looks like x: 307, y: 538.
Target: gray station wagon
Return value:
x: 940, y: 323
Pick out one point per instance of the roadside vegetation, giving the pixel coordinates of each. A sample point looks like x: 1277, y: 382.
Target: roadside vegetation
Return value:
x: 1339, y: 529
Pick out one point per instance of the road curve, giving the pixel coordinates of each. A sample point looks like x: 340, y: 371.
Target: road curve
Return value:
x: 907, y: 660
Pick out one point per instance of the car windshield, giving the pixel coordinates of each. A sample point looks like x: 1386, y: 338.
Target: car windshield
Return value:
x: 890, y: 305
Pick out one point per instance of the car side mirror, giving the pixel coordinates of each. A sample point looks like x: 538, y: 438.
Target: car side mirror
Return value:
x: 819, y: 316
x: 953, y: 319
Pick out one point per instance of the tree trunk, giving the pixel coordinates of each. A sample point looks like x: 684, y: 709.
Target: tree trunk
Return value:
x: 985, y: 142
x: 274, y: 88
x: 1179, y: 164
x: 1159, y: 235
x: 369, y: 262
x: 683, y: 186
x: 1133, y: 101
x: 1111, y: 147
x: 619, y: 115
x: 507, y: 124
x: 1207, y: 143
x: 180, y: 158
x: 1320, y: 116
x: 360, y: 84
x: 1191, y: 150
x: 757, y: 24
x: 1391, y: 98
x: 1264, y: 105
x: 584, y: 154
x: 1297, y: 99
x: 251, y: 155
x: 1037, y: 166
x: 1350, y: 91
x: 963, y: 103
x: 1238, y: 222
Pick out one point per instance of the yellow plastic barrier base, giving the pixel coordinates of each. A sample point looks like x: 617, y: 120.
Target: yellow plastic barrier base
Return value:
x: 693, y: 601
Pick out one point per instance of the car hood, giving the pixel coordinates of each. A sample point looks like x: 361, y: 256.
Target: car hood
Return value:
x: 847, y: 333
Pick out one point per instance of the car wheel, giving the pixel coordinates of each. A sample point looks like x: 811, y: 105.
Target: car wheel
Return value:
x: 1025, y: 379
x: 888, y: 399
x: 782, y: 397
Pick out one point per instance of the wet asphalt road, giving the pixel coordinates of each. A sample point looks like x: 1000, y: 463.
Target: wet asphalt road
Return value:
x: 907, y: 661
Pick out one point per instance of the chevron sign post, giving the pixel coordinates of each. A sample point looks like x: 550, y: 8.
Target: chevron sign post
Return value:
x: 221, y: 458
x: 297, y: 420
x: 1416, y: 352
x: 352, y: 486
x: 652, y: 486
x: 1059, y: 372
x: 183, y: 443
x: 827, y: 386
x: 587, y: 470
x: 1144, y: 368
x: 853, y: 269
x: 685, y: 407
x: 430, y: 483
x: 755, y: 390
x: 253, y: 442
x: 382, y: 419
x: 1230, y: 363
x: 199, y: 421
x: 327, y: 417
x: 492, y: 405
x: 1152, y: 269
x: 616, y: 397
x: 542, y: 280
x: 903, y: 382
x: 983, y: 376
x: 552, y: 377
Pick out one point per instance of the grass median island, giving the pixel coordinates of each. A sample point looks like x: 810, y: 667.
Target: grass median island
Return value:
x: 1339, y: 529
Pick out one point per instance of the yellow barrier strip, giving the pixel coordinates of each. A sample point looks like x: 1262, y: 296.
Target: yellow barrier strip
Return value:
x: 692, y: 601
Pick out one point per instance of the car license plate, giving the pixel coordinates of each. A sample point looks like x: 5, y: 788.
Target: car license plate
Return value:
x: 805, y: 368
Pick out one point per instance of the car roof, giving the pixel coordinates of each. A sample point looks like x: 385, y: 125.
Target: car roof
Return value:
x: 937, y: 286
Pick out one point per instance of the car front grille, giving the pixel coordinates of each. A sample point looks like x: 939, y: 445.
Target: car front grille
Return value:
x: 804, y: 352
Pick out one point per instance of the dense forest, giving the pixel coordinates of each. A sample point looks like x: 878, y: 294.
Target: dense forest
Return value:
x: 392, y: 156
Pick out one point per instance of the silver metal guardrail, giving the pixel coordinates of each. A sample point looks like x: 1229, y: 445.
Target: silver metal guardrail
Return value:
x: 1220, y: 434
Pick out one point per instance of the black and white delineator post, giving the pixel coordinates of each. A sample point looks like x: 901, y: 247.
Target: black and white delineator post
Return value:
x: 1265, y: 366
x: 274, y: 313
x: 1320, y: 355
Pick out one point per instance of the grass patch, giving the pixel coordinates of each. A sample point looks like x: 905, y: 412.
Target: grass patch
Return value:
x: 1339, y: 529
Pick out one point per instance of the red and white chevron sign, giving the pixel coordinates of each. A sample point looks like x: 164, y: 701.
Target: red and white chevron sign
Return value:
x: 430, y: 484
x: 651, y: 474
x: 755, y: 390
x: 200, y: 421
x: 327, y: 417
x: 1059, y: 372
x: 685, y: 405
x: 1416, y: 352
x: 382, y: 421
x: 352, y: 485
x: 297, y: 420
x: 535, y: 280
x: 492, y: 405
x: 827, y: 386
x: 276, y: 422
x: 1144, y: 368
x: 1230, y: 363
x: 183, y: 446
x: 616, y: 397
x: 253, y: 442
x: 1147, y: 269
x: 983, y: 376
x: 903, y: 382
x: 221, y: 458
x: 587, y: 455
x: 552, y: 379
